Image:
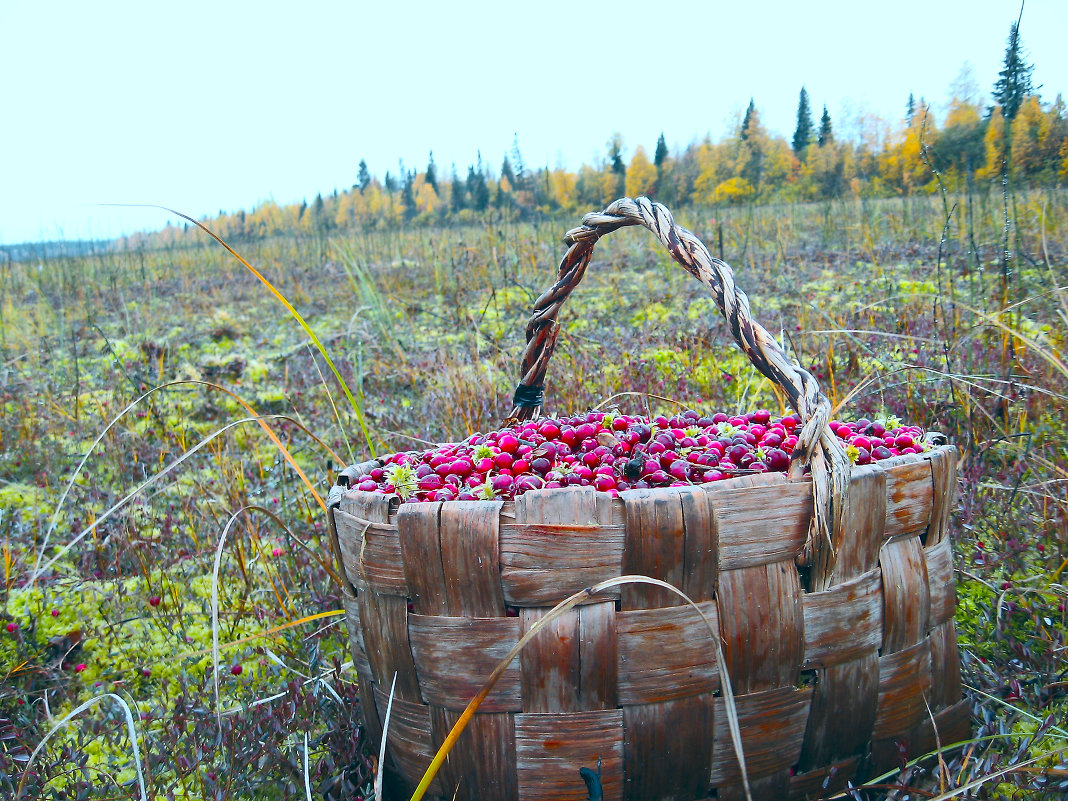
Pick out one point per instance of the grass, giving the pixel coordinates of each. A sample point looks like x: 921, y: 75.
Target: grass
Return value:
x: 124, y: 375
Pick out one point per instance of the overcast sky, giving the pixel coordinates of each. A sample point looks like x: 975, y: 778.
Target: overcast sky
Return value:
x: 209, y: 106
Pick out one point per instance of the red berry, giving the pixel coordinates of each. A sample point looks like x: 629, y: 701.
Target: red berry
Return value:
x: 12, y: 627
x: 155, y: 600
x: 236, y: 670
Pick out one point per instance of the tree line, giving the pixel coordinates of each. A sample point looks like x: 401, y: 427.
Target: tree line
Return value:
x: 1017, y: 137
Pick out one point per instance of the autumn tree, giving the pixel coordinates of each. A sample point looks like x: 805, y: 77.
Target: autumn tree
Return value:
x: 803, y: 131
x: 1013, y: 85
x: 641, y: 175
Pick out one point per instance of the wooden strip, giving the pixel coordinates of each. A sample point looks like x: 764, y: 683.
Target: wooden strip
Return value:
x: 541, y: 564
x: 368, y: 711
x: 571, y: 665
x: 356, y: 643
x: 701, y: 545
x: 551, y: 662
x: 823, y: 781
x: 940, y: 580
x: 552, y: 748
x: 844, y: 703
x: 568, y: 505
x: 953, y: 725
x: 762, y: 622
x: 371, y: 553
x: 598, y: 660
x: 666, y: 654
x: 383, y: 620
x: 456, y: 655
x: 470, y: 558
x: 482, y: 765
x: 409, y: 745
x: 944, y: 483
x: 772, y: 724
x: 904, y: 684
x: 863, y: 531
x: 946, y: 687
x: 348, y: 476
x: 666, y: 750
x: 654, y: 546
x: 760, y: 524
x: 420, y: 542
x: 910, y: 492
x: 844, y: 622
x: 575, y: 543
x: 906, y: 597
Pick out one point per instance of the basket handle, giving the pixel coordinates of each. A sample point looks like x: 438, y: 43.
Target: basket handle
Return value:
x: 816, y: 445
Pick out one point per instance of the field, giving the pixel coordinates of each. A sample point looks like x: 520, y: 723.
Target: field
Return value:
x: 141, y: 393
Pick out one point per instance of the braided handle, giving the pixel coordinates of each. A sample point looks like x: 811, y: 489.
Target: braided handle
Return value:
x: 816, y: 445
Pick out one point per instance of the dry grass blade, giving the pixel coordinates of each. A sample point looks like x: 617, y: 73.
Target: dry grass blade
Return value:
x: 307, y: 773
x: 296, y: 316
x: 553, y: 614
x: 131, y: 731
x: 152, y: 480
x: 129, y: 407
x: 380, y: 773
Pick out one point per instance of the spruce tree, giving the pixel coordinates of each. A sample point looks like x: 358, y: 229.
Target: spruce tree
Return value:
x: 1014, y: 83
x: 363, y: 176
x: 518, y: 166
x: 408, y: 194
x: 803, y: 131
x: 459, y: 191
x: 660, y: 156
x: 747, y: 121
x: 910, y: 110
x: 615, y: 162
x: 507, y: 173
x: 826, y: 134
x: 432, y: 173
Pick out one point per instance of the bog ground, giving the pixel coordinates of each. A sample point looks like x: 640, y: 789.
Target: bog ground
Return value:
x: 138, y: 389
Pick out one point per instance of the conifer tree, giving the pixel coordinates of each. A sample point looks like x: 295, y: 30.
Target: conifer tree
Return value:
x: 432, y: 173
x: 390, y: 183
x: 459, y: 191
x: 507, y: 173
x: 615, y: 163
x: 825, y: 135
x: 408, y: 194
x: 363, y: 176
x: 521, y: 177
x: 910, y: 110
x: 1014, y: 82
x: 747, y: 121
x: 661, y: 153
x: 803, y: 131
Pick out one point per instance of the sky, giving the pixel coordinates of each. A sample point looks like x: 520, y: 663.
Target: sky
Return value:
x: 210, y: 106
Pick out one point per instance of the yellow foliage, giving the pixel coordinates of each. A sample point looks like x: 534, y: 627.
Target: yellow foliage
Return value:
x: 733, y: 190
x: 994, y: 144
x: 562, y: 188
x: 641, y: 175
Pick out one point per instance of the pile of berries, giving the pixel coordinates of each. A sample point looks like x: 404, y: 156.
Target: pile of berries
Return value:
x: 614, y: 452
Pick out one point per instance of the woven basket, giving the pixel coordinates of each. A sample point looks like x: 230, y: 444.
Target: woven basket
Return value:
x: 839, y: 667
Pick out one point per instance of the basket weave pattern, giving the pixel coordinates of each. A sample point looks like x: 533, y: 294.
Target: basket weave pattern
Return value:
x: 830, y: 685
